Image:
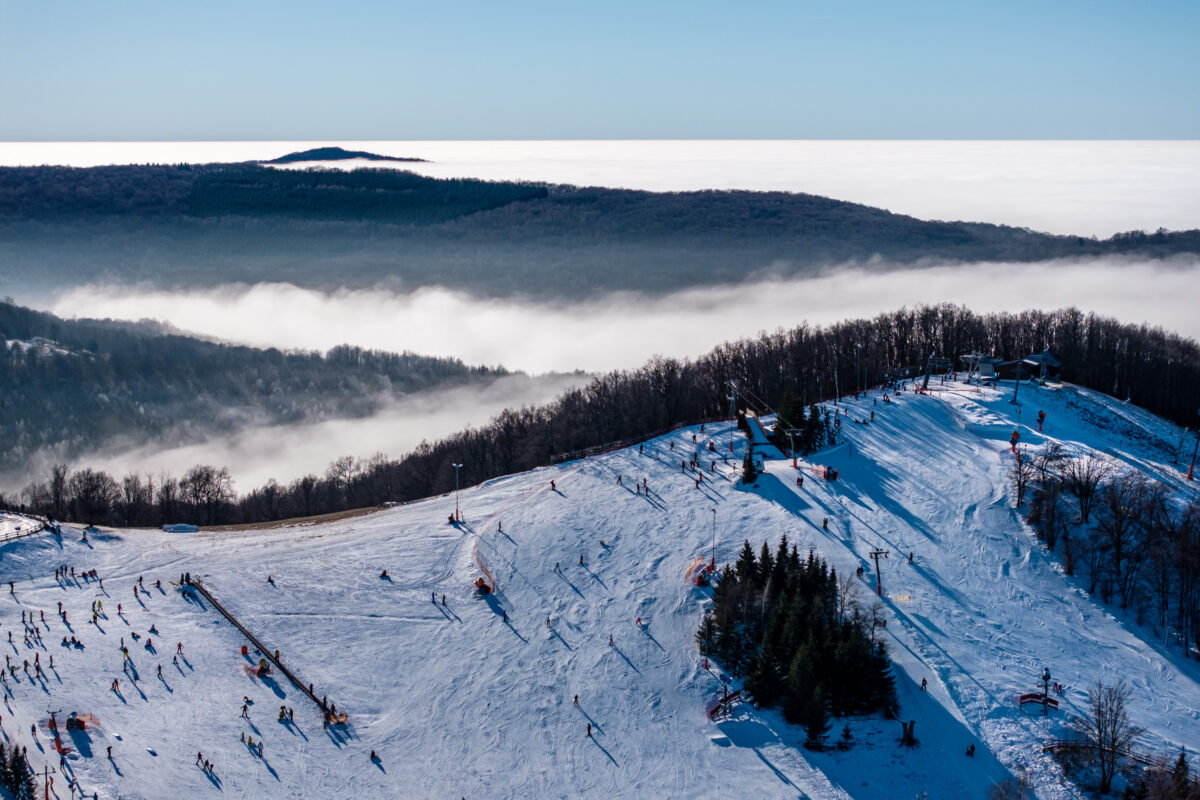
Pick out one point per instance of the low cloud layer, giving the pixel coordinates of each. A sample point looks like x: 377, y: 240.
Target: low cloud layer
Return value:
x: 623, y: 331
x: 287, y: 452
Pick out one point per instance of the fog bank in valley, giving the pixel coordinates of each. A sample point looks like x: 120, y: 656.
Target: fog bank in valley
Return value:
x: 622, y: 331
x: 284, y: 453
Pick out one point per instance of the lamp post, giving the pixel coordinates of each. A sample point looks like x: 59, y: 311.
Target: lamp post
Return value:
x: 1045, y: 691
x: 457, y: 515
x: 1016, y: 385
x: 858, y: 368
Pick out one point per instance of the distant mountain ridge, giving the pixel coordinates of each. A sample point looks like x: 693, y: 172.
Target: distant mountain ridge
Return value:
x: 196, y: 225
x: 335, y: 154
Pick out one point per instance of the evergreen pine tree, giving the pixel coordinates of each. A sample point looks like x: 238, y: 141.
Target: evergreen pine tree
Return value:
x: 706, y: 634
x: 799, y: 686
x: 747, y: 567
x: 749, y: 474
x: 763, y: 683
x: 816, y: 722
x: 4, y: 781
x: 1180, y: 775
x: 24, y: 786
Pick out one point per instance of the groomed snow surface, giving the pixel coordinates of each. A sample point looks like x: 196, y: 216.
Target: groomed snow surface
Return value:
x: 457, y: 702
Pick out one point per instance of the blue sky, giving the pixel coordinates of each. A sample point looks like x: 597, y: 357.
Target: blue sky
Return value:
x: 124, y: 70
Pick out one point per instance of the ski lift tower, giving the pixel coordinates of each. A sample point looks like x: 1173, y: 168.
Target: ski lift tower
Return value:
x: 939, y: 363
x: 875, y: 554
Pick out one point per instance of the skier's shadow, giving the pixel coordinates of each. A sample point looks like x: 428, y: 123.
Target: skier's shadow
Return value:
x: 646, y: 631
x: 337, y: 736
x: 556, y: 635
x: 627, y: 661
x: 450, y: 615
x: 214, y: 779
x: 595, y: 577
x: 294, y: 728
x: 605, y: 751
x: 588, y: 717
x: 567, y: 580
x: 379, y: 764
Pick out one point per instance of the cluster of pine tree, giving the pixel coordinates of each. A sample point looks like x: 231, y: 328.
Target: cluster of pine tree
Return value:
x: 15, y: 775
x: 783, y: 623
x: 810, y: 430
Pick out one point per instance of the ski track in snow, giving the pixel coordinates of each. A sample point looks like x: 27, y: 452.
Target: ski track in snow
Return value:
x: 458, y: 702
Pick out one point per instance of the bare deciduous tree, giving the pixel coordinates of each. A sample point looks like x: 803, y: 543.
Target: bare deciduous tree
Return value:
x: 1082, y: 478
x: 1020, y: 474
x: 1106, y: 727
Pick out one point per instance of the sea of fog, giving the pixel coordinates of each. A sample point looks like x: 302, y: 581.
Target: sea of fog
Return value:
x: 1079, y: 187
x: 624, y: 330
x: 286, y: 452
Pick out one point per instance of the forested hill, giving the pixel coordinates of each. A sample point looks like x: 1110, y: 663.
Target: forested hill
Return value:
x: 189, y: 225
x: 75, y: 385
x: 335, y: 154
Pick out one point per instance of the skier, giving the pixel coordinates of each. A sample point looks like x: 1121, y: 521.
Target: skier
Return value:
x: 618, y: 480
x: 505, y: 613
x: 610, y: 640
x: 1041, y: 418
x: 373, y: 756
x: 443, y: 599
x: 924, y: 683
x: 553, y: 488
x: 581, y: 559
x: 576, y: 699
x: 589, y: 729
x: 383, y: 575
x: 245, y: 711
x: 825, y: 523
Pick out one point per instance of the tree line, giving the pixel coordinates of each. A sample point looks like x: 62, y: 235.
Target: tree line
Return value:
x: 1158, y: 370
x: 793, y: 628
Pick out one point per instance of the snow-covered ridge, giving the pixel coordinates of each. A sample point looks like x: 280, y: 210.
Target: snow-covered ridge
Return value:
x: 44, y: 347
x: 475, y: 696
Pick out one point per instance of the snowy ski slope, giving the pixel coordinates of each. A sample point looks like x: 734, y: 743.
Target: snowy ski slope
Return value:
x: 457, y: 702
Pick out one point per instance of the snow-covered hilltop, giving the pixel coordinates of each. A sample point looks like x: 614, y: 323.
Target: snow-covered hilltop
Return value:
x: 474, y: 696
